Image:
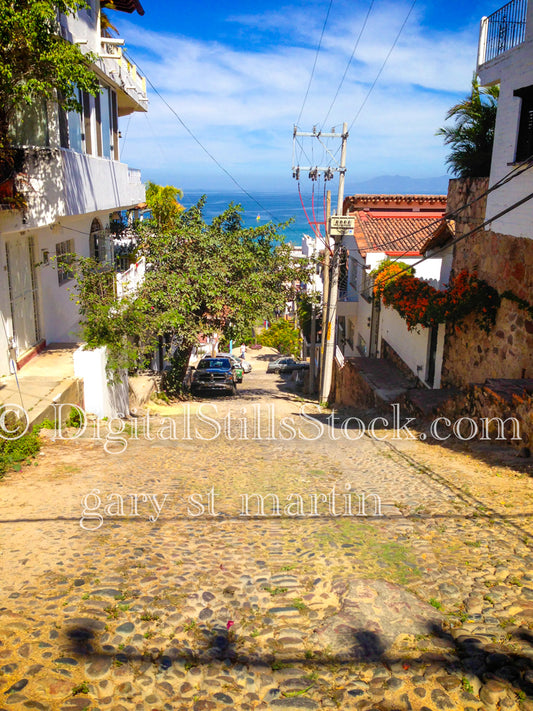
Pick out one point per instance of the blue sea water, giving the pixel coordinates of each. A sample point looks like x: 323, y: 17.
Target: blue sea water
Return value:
x: 263, y: 208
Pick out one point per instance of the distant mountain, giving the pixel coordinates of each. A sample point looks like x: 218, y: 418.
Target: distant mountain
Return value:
x: 399, y: 185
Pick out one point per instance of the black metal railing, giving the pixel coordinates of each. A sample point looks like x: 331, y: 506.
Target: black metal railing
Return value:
x: 504, y: 29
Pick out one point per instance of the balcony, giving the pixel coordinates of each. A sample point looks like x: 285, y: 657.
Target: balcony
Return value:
x: 503, y: 30
x: 57, y: 182
x: 124, y: 75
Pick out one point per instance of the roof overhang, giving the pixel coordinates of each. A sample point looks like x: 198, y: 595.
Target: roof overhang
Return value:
x: 444, y: 233
x: 123, y: 5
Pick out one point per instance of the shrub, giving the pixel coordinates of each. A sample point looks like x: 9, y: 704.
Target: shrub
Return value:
x: 14, y: 451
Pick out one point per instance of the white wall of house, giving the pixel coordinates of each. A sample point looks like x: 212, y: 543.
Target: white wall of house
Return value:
x: 513, y: 70
x: 411, y: 346
x: 65, y: 189
x: 100, y: 397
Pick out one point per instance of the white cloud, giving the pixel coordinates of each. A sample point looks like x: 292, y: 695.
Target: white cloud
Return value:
x: 242, y: 103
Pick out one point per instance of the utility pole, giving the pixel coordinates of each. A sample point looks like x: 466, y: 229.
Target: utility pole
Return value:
x: 329, y: 351
x: 329, y: 314
x: 325, y: 300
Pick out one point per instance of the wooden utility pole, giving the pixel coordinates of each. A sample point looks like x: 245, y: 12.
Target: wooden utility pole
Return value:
x: 329, y: 350
x: 325, y: 299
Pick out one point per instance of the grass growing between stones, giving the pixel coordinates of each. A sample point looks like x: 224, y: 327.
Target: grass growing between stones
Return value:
x: 388, y: 560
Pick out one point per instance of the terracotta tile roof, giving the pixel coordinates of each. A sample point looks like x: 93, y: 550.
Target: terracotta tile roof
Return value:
x: 394, y: 223
x: 359, y: 202
x: 444, y: 233
x: 393, y: 234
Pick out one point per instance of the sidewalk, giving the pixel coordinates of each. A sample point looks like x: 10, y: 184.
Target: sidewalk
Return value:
x: 47, y: 379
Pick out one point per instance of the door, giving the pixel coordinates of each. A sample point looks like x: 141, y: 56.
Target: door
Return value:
x: 374, y: 328
x: 22, y: 292
x: 432, y: 356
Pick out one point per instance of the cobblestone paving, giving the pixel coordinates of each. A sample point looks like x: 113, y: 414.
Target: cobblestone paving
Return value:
x: 426, y: 606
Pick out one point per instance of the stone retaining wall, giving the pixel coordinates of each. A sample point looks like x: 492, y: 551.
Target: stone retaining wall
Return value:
x: 350, y: 387
x: 505, y: 262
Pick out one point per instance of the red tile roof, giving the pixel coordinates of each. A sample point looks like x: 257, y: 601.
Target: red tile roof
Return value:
x: 393, y: 234
x: 394, y: 223
x: 394, y: 202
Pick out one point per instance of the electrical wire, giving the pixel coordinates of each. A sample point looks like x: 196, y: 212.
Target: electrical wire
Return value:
x: 456, y: 240
x: 383, y: 65
x: 314, y: 63
x: 356, y: 45
x: 311, y: 224
x: 526, y: 165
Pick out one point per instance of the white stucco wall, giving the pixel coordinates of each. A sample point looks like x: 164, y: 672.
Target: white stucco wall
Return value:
x: 100, y: 397
x: 512, y: 70
x: 411, y: 346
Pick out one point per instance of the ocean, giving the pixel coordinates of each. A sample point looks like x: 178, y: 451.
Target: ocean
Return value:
x: 266, y: 207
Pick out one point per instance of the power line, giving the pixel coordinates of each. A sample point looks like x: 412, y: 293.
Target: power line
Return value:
x: 349, y: 63
x: 197, y: 140
x: 314, y: 64
x: 526, y: 165
x: 458, y: 239
x: 384, y: 63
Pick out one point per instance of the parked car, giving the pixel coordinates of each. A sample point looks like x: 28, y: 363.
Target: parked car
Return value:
x: 235, y: 364
x: 286, y: 365
x: 214, y: 374
x: 244, y: 364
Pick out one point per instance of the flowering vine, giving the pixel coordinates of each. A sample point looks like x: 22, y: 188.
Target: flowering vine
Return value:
x: 420, y: 304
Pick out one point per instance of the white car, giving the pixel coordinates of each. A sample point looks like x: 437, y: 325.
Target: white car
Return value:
x: 245, y: 365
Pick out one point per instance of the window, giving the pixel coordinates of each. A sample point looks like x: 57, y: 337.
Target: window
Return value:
x: 354, y: 269
x: 524, y: 144
x: 105, y: 122
x: 100, y: 244
x: 64, y: 257
x: 94, y: 240
x: 367, y: 286
x: 74, y: 119
x: 30, y: 127
x: 87, y: 129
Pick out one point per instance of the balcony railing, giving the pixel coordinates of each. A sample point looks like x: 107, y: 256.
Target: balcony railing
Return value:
x: 503, y: 30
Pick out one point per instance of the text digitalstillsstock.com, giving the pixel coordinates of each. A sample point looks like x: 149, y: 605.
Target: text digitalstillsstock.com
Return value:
x: 257, y: 422
x: 96, y: 506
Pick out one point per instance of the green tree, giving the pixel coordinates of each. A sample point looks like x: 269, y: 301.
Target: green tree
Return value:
x: 36, y: 63
x: 163, y: 203
x: 306, y: 301
x: 203, y: 278
x: 283, y: 336
x: 472, y: 136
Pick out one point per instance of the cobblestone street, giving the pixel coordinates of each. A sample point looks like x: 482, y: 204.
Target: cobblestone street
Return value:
x: 409, y: 587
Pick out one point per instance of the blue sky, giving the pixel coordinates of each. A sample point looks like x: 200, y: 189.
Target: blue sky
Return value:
x: 237, y: 73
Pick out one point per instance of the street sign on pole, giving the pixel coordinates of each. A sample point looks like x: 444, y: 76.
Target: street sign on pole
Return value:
x: 340, y: 225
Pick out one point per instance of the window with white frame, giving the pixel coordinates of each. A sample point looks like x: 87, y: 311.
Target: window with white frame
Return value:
x: 64, y: 260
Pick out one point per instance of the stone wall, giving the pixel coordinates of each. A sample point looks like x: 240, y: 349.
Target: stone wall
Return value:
x: 506, y: 263
x: 350, y: 387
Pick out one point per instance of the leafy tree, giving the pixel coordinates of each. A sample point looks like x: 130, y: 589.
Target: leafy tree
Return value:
x: 472, y: 136
x: 283, y: 336
x: 36, y: 63
x: 163, y: 203
x: 202, y: 278
x: 305, y: 313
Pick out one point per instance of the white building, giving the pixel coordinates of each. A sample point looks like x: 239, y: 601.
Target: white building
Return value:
x: 72, y: 179
x: 395, y: 227
x: 505, y: 57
